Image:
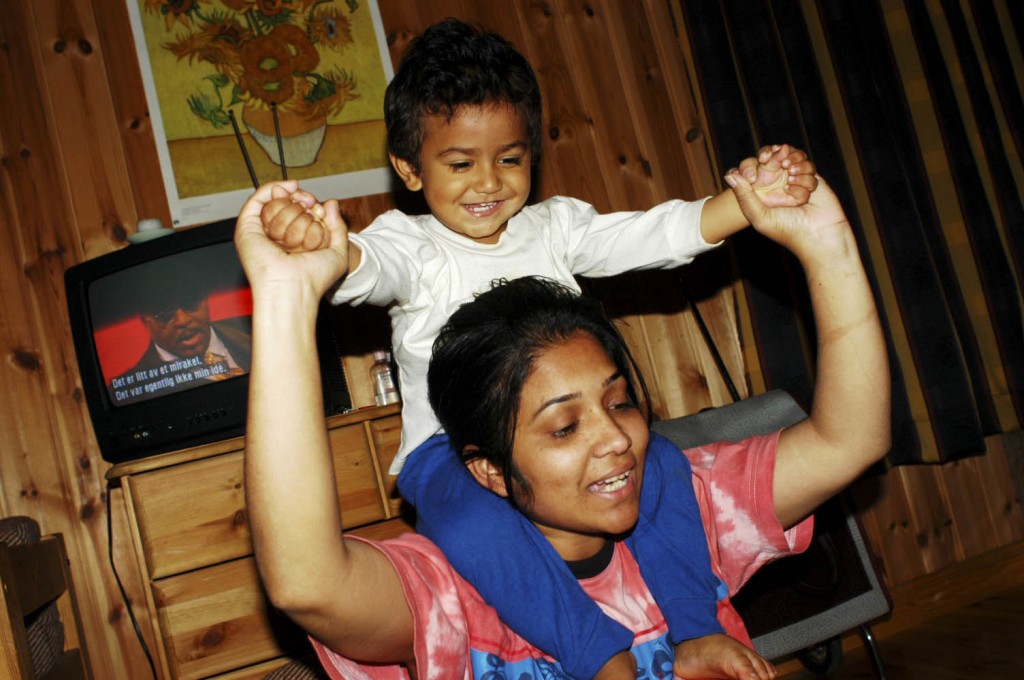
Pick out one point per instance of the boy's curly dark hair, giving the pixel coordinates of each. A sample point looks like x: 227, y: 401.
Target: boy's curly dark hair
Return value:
x: 452, y: 64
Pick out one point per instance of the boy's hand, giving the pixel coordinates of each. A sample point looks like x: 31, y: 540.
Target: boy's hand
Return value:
x: 268, y: 262
x: 720, y: 656
x: 782, y: 176
x: 816, y: 231
x: 295, y: 220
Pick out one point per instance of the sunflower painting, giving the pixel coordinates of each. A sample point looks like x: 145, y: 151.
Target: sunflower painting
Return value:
x: 298, y: 79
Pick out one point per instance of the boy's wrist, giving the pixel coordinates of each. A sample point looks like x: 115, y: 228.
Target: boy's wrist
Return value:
x: 721, y: 217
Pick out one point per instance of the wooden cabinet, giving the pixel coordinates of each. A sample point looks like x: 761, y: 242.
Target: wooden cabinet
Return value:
x: 190, y: 535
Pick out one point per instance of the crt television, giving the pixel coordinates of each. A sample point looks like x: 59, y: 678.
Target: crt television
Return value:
x: 162, y: 333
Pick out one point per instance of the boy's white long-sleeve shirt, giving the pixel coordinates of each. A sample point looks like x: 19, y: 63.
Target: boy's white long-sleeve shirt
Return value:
x: 423, y: 272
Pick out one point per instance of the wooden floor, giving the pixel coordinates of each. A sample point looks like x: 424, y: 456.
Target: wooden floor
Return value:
x: 984, y: 641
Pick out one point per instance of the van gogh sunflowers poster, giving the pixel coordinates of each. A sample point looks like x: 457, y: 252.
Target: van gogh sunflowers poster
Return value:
x: 302, y: 79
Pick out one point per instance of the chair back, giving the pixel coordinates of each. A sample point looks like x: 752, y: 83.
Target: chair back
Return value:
x: 806, y: 599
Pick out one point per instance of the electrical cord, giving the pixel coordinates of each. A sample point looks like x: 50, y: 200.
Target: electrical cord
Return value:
x: 706, y: 334
x: 120, y: 586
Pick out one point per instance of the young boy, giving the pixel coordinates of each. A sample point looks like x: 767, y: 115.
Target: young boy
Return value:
x: 463, y: 115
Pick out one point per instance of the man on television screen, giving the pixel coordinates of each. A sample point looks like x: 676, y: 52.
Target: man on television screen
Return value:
x: 183, y: 329
x: 186, y: 348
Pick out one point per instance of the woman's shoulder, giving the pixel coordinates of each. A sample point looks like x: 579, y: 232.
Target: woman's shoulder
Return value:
x: 411, y: 547
x: 450, y: 617
x: 424, y: 570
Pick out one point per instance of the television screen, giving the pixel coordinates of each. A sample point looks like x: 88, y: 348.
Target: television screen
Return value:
x: 162, y: 332
x: 171, y: 325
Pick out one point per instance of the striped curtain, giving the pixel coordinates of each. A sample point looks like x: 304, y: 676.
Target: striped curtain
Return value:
x: 912, y: 111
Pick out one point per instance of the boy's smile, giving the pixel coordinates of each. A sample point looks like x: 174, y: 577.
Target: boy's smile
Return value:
x: 475, y: 169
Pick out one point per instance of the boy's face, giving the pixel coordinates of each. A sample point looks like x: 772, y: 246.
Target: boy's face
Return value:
x: 475, y: 170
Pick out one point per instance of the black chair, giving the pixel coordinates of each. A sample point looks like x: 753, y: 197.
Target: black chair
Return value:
x: 802, y: 604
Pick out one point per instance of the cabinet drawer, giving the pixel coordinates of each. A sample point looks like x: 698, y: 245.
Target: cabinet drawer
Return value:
x: 386, y: 435
x: 190, y: 516
x: 193, y: 515
x: 355, y: 476
x: 218, y: 619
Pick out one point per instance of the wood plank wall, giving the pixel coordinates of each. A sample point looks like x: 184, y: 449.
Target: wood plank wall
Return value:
x: 79, y: 168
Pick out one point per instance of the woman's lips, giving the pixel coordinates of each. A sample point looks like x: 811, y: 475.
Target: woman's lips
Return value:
x: 613, y: 483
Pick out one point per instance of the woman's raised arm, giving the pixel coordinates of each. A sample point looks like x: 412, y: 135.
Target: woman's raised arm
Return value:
x: 849, y: 424
x: 344, y: 593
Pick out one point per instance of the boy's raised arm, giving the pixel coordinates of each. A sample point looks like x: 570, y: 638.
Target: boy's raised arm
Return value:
x: 849, y: 424
x: 341, y: 592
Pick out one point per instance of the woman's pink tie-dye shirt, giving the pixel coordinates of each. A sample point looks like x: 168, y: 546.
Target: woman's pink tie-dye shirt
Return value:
x: 459, y: 636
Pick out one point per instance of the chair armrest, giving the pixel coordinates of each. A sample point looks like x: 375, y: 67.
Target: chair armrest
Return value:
x: 762, y: 414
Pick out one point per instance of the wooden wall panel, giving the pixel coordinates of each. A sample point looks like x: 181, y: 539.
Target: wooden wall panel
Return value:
x: 930, y: 513
x: 72, y: 63
x: 998, y: 492
x: 78, y: 167
x: 964, y: 487
x: 886, y: 513
x: 54, y: 123
x: 921, y: 520
x: 677, y: 79
x: 131, y: 115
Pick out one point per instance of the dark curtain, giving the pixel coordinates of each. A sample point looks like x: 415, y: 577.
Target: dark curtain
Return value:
x: 912, y: 111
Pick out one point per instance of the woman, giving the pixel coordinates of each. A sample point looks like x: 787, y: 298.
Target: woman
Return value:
x: 567, y: 449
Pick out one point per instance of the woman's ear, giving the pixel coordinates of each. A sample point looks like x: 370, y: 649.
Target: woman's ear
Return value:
x: 486, y: 474
x: 407, y: 172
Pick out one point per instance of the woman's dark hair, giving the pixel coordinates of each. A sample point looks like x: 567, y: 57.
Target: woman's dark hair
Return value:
x: 484, y: 354
x: 452, y: 64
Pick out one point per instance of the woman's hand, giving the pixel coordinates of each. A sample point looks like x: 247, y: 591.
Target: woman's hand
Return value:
x: 782, y: 175
x: 817, y: 232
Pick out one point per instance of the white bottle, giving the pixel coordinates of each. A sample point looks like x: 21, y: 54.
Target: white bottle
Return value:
x: 384, y: 389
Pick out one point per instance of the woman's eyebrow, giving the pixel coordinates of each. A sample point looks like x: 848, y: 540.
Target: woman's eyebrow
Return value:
x: 617, y: 375
x: 556, y: 400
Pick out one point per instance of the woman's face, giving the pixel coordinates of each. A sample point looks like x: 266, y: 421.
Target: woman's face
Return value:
x: 580, y: 444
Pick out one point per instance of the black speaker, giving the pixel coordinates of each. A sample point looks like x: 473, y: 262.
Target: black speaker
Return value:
x: 803, y: 600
